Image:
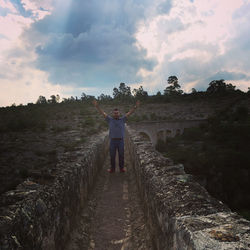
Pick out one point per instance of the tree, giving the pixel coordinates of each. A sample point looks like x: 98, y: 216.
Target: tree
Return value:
x: 86, y: 98
x: 83, y: 96
x: 193, y: 91
x: 140, y: 93
x: 123, y: 93
x: 124, y: 90
x: 219, y: 87
x: 72, y: 99
x: 230, y: 87
x: 41, y: 100
x: 52, y: 99
x: 104, y: 98
x: 158, y: 93
x: 173, y: 81
x: 69, y: 100
x: 65, y: 100
x: 116, y: 93
x: 174, y: 87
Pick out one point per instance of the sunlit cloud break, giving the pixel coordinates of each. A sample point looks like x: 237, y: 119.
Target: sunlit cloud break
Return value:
x: 47, y: 47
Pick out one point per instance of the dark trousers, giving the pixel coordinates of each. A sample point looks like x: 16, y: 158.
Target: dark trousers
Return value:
x: 116, y: 145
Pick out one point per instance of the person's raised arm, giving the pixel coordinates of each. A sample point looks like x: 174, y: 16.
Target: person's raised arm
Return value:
x: 99, y: 109
x: 131, y: 111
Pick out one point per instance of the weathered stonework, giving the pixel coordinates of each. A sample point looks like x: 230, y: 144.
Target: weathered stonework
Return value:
x: 161, y: 130
x: 41, y: 216
x: 180, y: 212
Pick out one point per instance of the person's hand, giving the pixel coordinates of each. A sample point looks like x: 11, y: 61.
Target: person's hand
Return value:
x: 137, y: 104
x: 95, y: 103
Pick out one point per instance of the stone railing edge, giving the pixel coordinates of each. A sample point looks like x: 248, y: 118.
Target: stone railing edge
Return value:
x: 180, y: 212
x: 44, y: 217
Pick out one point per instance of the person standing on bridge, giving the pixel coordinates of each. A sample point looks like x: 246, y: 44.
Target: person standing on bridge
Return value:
x: 116, y: 134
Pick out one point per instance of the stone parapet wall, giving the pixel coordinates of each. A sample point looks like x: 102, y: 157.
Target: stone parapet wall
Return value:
x: 180, y: 212
x: 41, y: 216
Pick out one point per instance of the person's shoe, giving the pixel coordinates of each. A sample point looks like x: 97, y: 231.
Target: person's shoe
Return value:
x: 111, y: 170
x: 122, y: 170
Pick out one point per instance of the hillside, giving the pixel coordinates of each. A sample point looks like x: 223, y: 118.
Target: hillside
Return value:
x: 35, y: 136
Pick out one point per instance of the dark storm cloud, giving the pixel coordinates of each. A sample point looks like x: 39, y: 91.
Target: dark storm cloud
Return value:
x: 92, y: 42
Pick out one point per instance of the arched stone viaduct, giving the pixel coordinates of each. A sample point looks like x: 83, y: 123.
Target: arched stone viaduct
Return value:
x: 155, y: 130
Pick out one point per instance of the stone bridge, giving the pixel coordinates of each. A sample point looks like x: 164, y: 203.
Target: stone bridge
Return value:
x: 161, y: 130
x: 179, y: 213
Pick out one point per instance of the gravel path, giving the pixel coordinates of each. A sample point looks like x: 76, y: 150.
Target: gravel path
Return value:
x: 113, y: 217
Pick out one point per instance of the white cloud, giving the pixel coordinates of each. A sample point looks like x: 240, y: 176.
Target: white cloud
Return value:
x: 39, y: 8
x: 12, y: 25
x: 195, y: 41
x: 197, y: 33
x: 7, y: 5
x: 26, y: 89
x: 27, y: 86
x: 20, y: 82
x: 241, y: 84
x: 36, y: 4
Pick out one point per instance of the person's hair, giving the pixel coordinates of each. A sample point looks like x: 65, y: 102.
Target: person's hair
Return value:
x: 116, y: 109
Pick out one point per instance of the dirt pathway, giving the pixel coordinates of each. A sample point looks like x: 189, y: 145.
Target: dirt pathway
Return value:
x: 113, y: 217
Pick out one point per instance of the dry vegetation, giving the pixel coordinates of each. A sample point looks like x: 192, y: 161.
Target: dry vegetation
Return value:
x: 33, y: 137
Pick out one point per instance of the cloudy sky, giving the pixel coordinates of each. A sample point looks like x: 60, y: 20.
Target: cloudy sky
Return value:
x: 73, y: 46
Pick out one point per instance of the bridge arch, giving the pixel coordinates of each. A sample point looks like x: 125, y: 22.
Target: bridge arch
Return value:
x: 145, y: 135
x: 163, y: 130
